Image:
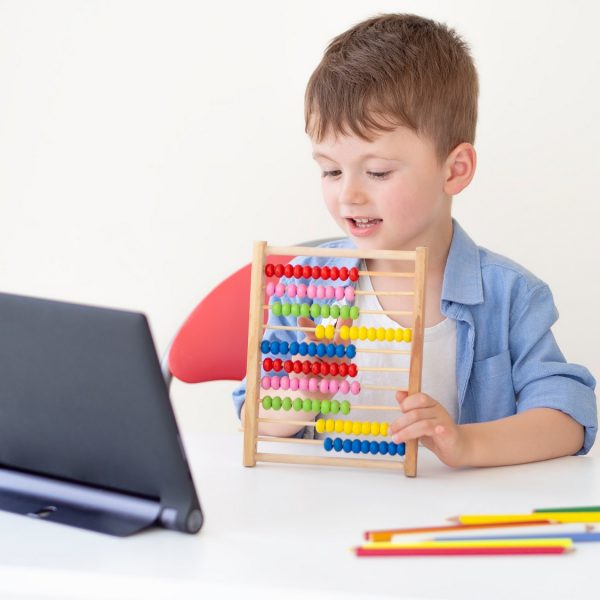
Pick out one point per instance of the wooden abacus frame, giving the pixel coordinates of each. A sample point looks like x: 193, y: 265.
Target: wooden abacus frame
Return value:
x: 255, y: 332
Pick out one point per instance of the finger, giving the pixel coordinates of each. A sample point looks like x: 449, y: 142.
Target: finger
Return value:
x: 414, y: 416
x: 338, y: 338
x: 418, y: 430
x: 306, y: 322
x: 417, y: 401
x: 401, y: 395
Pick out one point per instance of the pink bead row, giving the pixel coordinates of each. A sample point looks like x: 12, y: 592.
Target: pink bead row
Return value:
x: 320, y: 292
x: 310, y: 384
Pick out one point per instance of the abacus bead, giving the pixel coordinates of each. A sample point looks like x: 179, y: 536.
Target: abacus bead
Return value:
x: 349, y: 293
x: 267, y: 402
x: 383, y: 429
x: 286, y: 309
x: 307, y: 405
x: 344, y: 273
x: 276, y: 403
x: 277, y: 364
x: 269, y: 270
x: 362, y: 333
x: 381, y: 333
x: 270, y: 290
x: 319, y: 332
x: 331, y: 350
x: 344, y: 387
x: 324, y: 370
x: 335, y: 311
x: 278, y: 270
x: 337, y: 444
x: 284, y: 347
x: 297, y: 367
x: 372, y: 334
x: 329, y: 425
x: 298, y: 271
x: 316, y: 406
x: 328, y: 444
x: 313, y: 384
x: 344, y: 331
x: 316, y: 272
x: 340, y: 351
x: 303, y: 349
x: 345, y: 311
x: 366, y: 428
x: 343, y: 370
x: 330, y: 292
x: 329, y: 332
x: 320, y: 292
x: 301, y: 290
x: 288, y: 366
x: 321, y: 348
x: 297, y: 404
x: 274, y: 383
x: 401, y: 449
x: 315, y: 368
x: 303, y: 384
x: 325, y: 406
x: 311, y: 291
x: 334, y: 273
x: 315, y: 310
x: 351, y: 351
x: 347, y: 446
x: 285, y: 383
x: 279, y: 289
x: 306, y: 271
x: 390, y: 334
x: 288, y: 271
x: 356, y: 428
x: 333, y: 386
x: 356, y: 446
x: 374, y: 448
x: 383, y: 447
x: 339, y: 426
x: 294, y: 348
x: 275, y: 347
x: 345, y: 407
x: 407, y: 335
x: 353, y: 274
x: 325, y: 310
x: 265, y: 382
x: 312, y: 349
x: 352, y: 370
x: 305, y: 310
x: 392, y: 449
x: 348, y: 427
x: 355, y: 388
x: 325, y: 272
x: 267, y: 364
x: 353, y: 332
x: 375, y: 428
x: 335, y: 407
x: 399, y: 335
x: 292, y: 290
x: 320, y: 425
x: 365, y: 446
x: 294, y: 384
x: 276, y: 308
x: 339, y: 293
x: 265, y: 346
x: 354, y: 312
x: 324, y: 386
x: 333, y: 369
x: 286, y: 403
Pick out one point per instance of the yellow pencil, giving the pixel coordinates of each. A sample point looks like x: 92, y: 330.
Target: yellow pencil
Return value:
x: 559, y: 517
x: 514, y: 543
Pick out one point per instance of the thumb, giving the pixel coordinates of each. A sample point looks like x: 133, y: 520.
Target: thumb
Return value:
x: 401, y: 396
x: 306, y: 322
x: 341, y: 323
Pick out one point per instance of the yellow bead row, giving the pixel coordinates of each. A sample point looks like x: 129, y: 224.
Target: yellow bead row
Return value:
x: 372, y: 334
x: 351, y: 427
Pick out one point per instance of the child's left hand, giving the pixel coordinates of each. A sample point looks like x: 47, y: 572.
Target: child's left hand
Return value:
x: 426, y: 419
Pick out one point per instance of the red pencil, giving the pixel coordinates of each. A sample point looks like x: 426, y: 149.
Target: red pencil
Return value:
x: 506, y: 550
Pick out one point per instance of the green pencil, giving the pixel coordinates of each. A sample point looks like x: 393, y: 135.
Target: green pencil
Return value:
x: 569, y: 509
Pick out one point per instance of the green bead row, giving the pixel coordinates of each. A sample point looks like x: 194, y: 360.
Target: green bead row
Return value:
x: 314, y: 310
x: 324, y: 407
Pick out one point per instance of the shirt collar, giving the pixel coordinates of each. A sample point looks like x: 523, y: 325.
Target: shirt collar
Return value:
x: 462, y: 275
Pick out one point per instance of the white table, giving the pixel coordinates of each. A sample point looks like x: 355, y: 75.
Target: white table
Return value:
x: 279, y: 531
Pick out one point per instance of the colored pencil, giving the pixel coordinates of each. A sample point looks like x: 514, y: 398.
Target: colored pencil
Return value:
x: 553, y: 530
x: 481, y: 543
x: 561, y: 517
x: 385, y: 535
x: 569, y: 509
x: 573, y: 536
x: 506, y: 550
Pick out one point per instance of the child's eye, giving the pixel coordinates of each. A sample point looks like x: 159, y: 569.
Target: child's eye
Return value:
x: 331, y: 173
x: 379, y: 174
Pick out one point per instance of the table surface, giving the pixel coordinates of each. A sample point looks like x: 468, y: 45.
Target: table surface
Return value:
x: 282, y: 528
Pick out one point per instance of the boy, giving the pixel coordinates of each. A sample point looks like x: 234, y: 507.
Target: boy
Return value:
x: 391, y: 111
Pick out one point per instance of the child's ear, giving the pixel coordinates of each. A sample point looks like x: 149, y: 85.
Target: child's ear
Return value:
x: 460, y: 168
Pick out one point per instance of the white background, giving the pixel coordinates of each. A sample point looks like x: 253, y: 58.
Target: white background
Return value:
x: 144, y: 145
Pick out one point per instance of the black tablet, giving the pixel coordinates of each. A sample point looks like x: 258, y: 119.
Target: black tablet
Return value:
x: 87, y: 431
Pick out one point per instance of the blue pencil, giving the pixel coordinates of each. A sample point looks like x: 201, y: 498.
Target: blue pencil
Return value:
x: 575, y: 537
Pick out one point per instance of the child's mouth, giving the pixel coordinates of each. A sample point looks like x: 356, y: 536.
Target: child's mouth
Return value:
x: 363, y: 225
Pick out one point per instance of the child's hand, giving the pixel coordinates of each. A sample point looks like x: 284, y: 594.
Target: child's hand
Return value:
x: 426, y: 419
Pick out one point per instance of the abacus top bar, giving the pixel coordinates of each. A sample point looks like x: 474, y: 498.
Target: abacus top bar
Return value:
x: 342, y: 252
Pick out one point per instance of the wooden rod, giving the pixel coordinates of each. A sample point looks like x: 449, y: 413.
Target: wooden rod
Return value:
x: 395, y: 465
x: 363, y: 293
x: 307, y: 329
x: 382, y: 387
x: 385, y: 369
x: 367, y: 312
x: 405, y: 255
x: 292, y: 440
x: 386, y: 274
x: 377, y: 351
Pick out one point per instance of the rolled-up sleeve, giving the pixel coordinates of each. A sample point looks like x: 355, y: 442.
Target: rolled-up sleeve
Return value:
x: 542, y: 377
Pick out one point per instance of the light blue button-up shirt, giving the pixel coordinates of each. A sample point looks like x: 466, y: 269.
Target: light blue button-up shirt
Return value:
x: 507, y: 359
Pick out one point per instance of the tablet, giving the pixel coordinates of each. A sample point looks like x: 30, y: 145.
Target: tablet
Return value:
x: 88, y: 436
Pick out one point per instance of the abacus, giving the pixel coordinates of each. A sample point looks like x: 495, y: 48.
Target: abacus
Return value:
x: 332, y: 363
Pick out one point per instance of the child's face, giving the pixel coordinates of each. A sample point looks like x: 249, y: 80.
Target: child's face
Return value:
x: 386, y: 194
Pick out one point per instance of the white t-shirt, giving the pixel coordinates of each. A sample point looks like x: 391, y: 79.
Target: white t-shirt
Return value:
x: 439, y: 363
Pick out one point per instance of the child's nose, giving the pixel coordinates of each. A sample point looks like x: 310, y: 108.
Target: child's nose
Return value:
x: 351, y: 192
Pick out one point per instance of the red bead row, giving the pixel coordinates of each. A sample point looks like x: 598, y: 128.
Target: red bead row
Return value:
x: 308, y: 272
x: 307, y: 367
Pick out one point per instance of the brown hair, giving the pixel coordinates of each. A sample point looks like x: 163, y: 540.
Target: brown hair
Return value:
x: 391, y: 70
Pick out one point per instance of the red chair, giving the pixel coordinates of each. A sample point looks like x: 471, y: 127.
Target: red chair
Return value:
x: 211, y: 348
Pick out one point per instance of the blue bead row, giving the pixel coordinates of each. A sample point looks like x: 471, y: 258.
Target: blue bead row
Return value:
x: 363, y: 446
x: 310, y: 349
